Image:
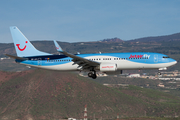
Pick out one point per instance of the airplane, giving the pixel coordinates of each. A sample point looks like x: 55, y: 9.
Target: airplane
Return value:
x: 109, y: 63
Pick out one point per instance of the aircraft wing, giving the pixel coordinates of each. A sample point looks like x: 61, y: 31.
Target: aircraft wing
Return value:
x: 82, y: 62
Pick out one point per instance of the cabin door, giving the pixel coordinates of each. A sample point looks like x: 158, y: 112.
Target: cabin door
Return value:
x: 39, y: 61
x: 155, y: 58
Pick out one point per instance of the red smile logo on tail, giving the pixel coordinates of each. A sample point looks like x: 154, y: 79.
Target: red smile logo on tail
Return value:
x: 22, y: 48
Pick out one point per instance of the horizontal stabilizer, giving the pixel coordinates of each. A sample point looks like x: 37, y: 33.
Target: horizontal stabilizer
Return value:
x: 16, y: 57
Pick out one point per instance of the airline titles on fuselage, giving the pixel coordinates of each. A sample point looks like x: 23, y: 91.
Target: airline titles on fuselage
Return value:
x: 139, y: 56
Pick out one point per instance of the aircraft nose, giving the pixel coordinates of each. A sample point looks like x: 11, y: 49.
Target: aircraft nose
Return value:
x: 175, y: 62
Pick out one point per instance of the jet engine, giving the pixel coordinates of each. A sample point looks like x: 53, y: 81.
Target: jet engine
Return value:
x: 108, y: 67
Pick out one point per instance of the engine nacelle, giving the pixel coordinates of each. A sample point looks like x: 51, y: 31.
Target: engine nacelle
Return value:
x: 106, y: 67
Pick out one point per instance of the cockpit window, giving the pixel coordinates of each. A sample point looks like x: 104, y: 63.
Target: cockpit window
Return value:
x: 165, y: 56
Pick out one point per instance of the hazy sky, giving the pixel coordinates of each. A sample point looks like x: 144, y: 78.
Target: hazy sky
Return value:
x: 89, y: 20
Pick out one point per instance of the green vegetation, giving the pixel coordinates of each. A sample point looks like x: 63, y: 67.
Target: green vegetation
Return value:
x: 54, y: 94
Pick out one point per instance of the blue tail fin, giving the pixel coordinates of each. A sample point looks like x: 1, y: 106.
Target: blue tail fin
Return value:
x: 23, y: 46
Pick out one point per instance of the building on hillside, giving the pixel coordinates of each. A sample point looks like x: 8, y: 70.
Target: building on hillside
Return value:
x: 4, y: 58
x: 160, y: 85
x: 133, y: 75
x: 99, y: 74
x: 116, y: 85
x: 71, y: 118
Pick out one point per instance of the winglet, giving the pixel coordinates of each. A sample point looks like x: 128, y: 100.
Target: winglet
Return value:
x: 58, y: 48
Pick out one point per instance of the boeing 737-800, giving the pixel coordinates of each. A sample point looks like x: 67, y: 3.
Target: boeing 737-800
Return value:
x: 109, y: 63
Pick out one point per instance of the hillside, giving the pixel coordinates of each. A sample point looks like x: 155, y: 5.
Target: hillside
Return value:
x: 41, y: 94
x: 116, y: 40
x: 165, y: 38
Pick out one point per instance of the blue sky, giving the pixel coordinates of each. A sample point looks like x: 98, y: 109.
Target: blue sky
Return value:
x: 89, y: 20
